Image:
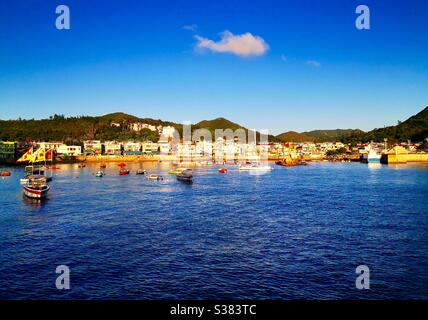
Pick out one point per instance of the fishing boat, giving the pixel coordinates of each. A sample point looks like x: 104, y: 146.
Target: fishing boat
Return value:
x: 154, y: 177
x: 140, y: 172
x: 254, y: 167
x: 99, y: 174
x: 222, y: 170
x: 36, y: 188
x: 35, y: 171
x: 185, y: 176
x: 5, y: 173
x: 176, y: 171
x: 123, y: 172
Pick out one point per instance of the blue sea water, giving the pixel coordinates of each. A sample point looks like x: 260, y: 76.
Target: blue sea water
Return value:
x: 295, y: 233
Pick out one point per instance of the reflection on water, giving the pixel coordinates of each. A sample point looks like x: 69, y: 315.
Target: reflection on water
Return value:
x: 374, y: 166
x: 295, y: 232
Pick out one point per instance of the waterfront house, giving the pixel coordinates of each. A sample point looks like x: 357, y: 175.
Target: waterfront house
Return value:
x: 92, y: 146
x: 8, y: 151
x: 71, y: 151
x: 150, y: 147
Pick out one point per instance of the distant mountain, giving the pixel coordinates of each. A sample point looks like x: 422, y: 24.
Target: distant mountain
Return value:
x: 415, y: 129
x: 113, y: 126
x: 222, y: 123
x: 314, y: 136
x: 219, y: 123
x: 293, y: 136
x: 74, y: 130
x: 328, y: 135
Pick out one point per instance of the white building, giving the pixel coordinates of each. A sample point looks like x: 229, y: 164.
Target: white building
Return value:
x: 168, y: 132
x: 150, y: 147
x: 93, y: 145
x: 50, y: 145
x: 72, y: 151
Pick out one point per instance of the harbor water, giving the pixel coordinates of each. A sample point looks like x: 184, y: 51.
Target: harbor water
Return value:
x: 294, y: 233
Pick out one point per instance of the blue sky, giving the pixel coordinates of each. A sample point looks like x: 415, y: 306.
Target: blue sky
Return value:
x: 319, y: 71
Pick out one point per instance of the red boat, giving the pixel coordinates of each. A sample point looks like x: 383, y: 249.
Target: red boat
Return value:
x: 5, y: 173
x: 103, y: 166
x: 52, y: 168
x: 121, y: 165
x: 222, y: 170
x: 123, y: 172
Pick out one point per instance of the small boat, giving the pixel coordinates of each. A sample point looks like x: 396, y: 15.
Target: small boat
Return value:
x: 82, y: 165
x: 5, y: 173
x: 123, y: 172
x: 222, y: 170
x: 36, y: 188
x: 103, y: 166
x: 52, y: 168
x: 185, y: 176
x: 154, y: 177
x: 140, y: 172
x: 99, y: 174
x: 122, y: 164
x: 176, y: 171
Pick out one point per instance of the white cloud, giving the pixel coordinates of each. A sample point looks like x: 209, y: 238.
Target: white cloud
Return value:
x: 313, y: 63
x: 192, y: 27
x: 243, y: 45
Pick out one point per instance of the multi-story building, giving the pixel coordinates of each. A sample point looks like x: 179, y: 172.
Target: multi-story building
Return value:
x: 8, y: 151
x: 71, y: 151
x: 93, y: 146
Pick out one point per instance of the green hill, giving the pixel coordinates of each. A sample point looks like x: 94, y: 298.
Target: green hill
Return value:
x: 415, y: 129
x: 293, y: 136
x: 328, y: 135
x: 74, y: 130
x: 113, y: 126
x: 222, y: 123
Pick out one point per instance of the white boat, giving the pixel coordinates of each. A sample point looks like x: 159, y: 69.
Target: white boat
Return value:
x: 254, y: 167
x: 373, y: 156
x: 36, y: 188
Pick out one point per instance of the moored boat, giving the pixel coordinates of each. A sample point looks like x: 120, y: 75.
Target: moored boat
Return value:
x: 5, y: 173
x: 140, y: 172
x: 123, y: 172
x: 53, y: 168
x: 36, y: 188
x: 99, y: 174
x: 185, y: 176
x: 222, y: 170
x: 154, y: 177
x: 176, y: 171
x: 82, y: 165
x: 103, y: 166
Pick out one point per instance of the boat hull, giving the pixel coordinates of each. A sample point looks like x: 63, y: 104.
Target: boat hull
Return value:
x: 36, y: 193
